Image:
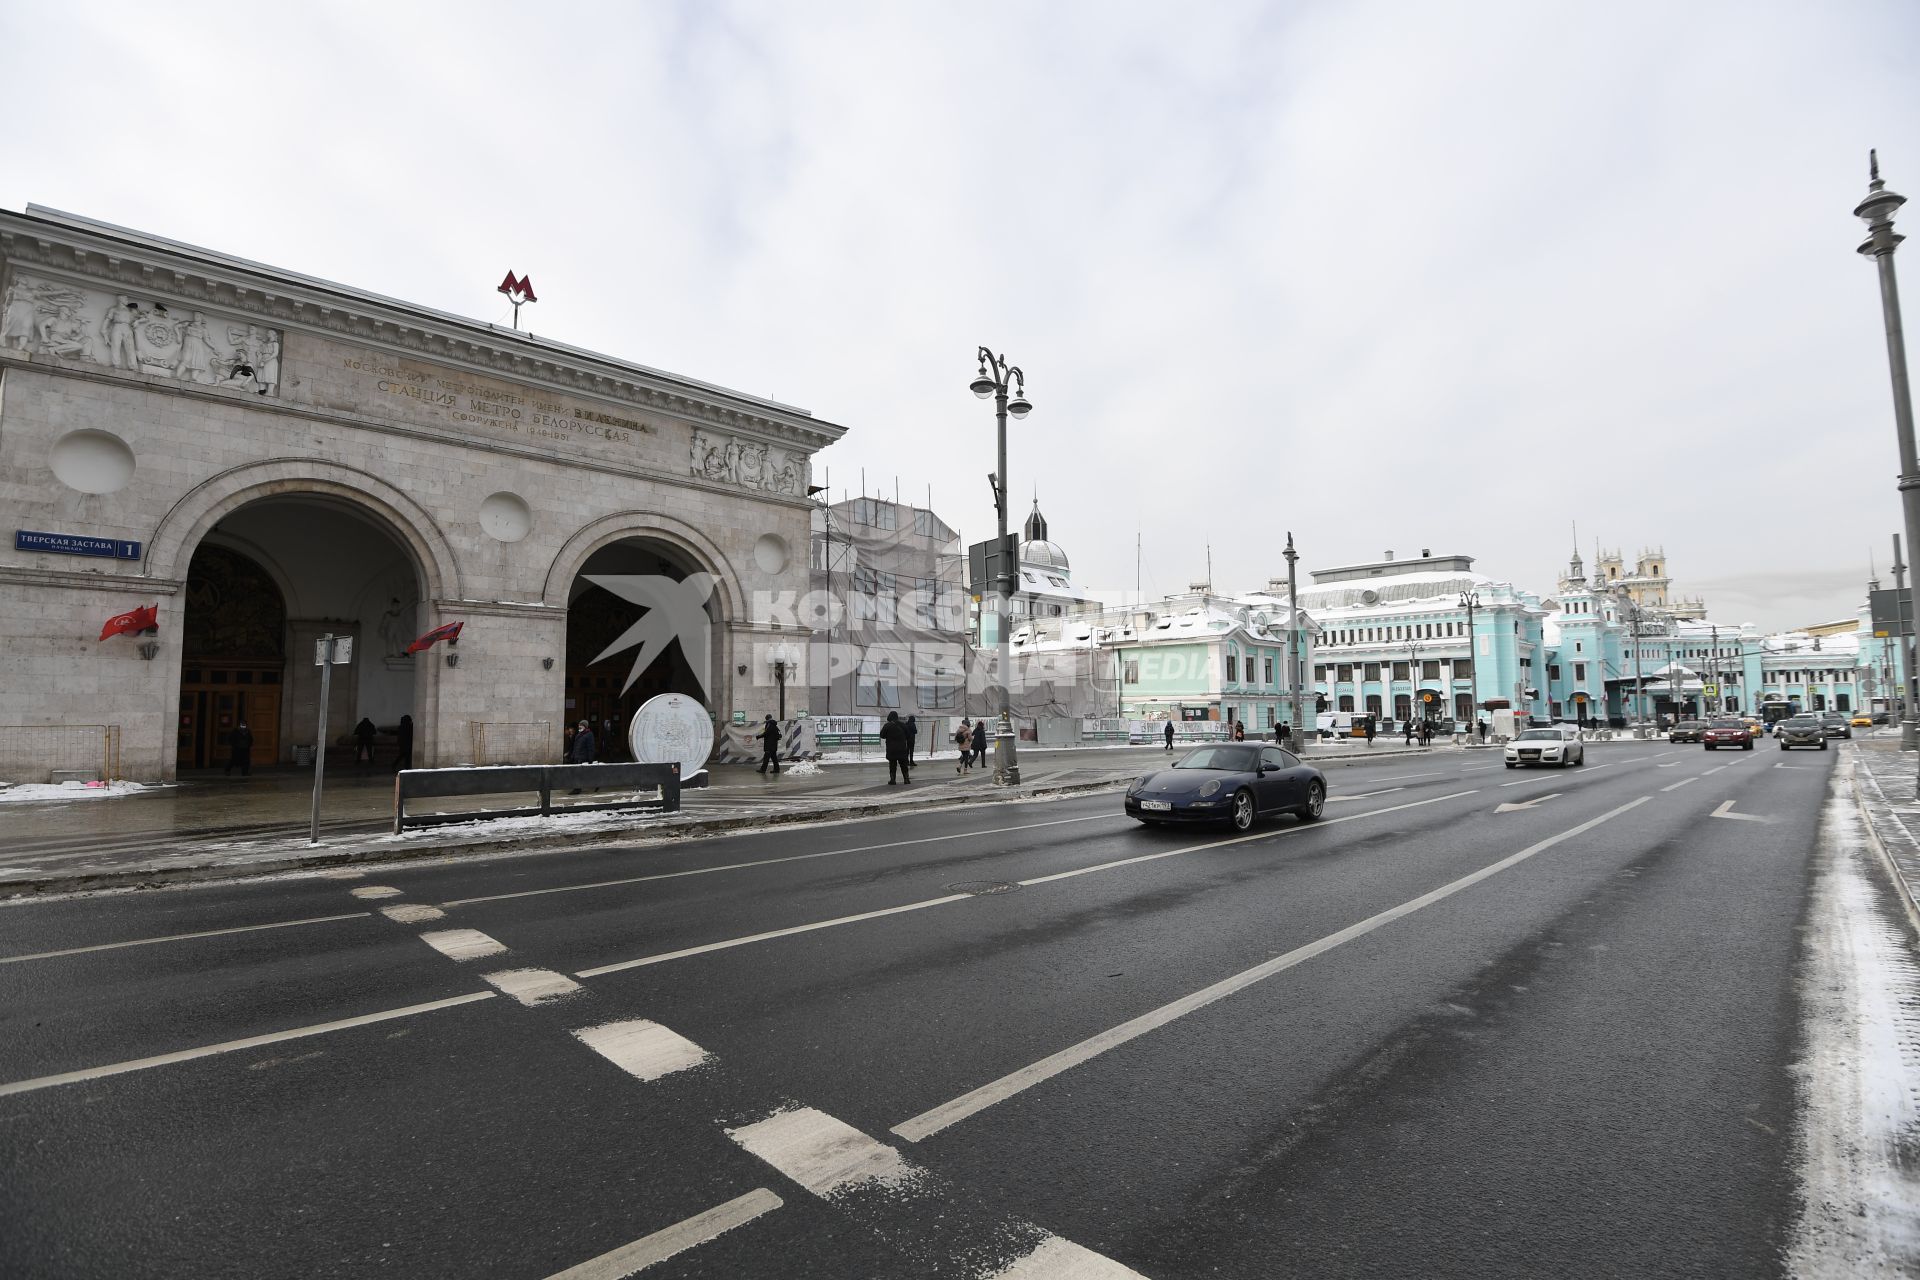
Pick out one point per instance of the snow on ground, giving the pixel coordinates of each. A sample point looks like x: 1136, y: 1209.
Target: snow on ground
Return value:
x: 43, y: 792
x: 534, y: 824
x: 801, y: 769
x: 1860, y: 1120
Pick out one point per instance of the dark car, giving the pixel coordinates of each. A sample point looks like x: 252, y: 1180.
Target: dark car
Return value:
x: 1800, y: 731
x: 1235, y: 782
x: 1727, y: 733
x: 1688, y: 731
x: 1836, y: 725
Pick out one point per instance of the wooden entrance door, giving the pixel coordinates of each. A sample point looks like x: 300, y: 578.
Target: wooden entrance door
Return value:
x: 213, y: 699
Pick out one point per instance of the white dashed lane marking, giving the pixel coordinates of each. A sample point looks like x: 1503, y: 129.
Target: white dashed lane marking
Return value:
x: 678, y: 1238
x: 375, y: 891
x: 463, y: 944
x: 412, y: 913
x: 1683, y: 782
x: 645, y: 1050
x: 1057, y: 1259
x: 533, y: 986
x: 822, y: 1154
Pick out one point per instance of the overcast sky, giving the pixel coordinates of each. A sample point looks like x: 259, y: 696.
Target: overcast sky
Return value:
x: 1391, y: 275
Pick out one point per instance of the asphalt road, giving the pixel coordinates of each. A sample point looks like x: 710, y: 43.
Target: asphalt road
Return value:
x: 1421, y: 1037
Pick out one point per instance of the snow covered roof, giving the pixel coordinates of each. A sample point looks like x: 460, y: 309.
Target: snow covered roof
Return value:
x: 1403, y: 592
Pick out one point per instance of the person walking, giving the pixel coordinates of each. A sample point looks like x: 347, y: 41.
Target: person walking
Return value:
x: 582, y: 749
x: 1410, y: 730
x: 1168, y: 735
x: 980, y: 743
x: 913, y: 739
x: 1426, y: 733
x: 1483, y: 733
x: 1371, y: 730
x: 1282, y: 732
x: 963, y: 741
x: 770, y: 746
x: 403, y: 747
x: 1239, y: 731
x: 240, y: 751
x: 363, y: 742
x: 893, y: 736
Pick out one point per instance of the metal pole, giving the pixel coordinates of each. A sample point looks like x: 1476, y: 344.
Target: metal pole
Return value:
x: 1903, y: 636
x: 1639, y: 678
x: 1877, y: 212
x: 320, y: 745
x: 1472, y: 598
x: 1006, y: 765
x: 1296, y: 724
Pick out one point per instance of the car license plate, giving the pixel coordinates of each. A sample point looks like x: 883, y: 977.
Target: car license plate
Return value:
x: 1157, y: 806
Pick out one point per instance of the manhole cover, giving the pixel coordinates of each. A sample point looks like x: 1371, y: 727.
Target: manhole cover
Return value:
x: 980, y: 888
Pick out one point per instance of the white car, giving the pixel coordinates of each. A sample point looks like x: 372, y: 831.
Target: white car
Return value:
x: 1559, y: 746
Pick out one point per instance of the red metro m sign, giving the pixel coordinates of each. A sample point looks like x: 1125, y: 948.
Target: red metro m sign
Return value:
x: 519, y: 290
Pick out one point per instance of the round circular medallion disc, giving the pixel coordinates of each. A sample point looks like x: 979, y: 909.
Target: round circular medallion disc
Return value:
x: 672, y: 729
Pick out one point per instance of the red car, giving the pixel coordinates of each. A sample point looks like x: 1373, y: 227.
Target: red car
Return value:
x: 1728, y: 733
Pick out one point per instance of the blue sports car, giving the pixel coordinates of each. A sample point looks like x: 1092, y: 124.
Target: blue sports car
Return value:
x: 1234, y: 782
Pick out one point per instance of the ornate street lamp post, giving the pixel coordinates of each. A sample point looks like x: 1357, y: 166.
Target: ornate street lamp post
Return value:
x: 1470, y: 600
x: 1296, y: 724
x: 994, y: 379
x: 1877, y: 212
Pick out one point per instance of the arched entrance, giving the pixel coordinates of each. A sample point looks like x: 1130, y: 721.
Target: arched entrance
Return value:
x: 265, y: 582
x: 635, y: 615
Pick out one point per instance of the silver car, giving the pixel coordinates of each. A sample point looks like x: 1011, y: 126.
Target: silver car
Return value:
x: 1801, y: 731
x: 1559, y: 746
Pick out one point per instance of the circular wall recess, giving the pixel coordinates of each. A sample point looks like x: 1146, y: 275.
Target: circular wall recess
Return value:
x: 506, y: 517
x: 92, y: 461
x: 770, y: 553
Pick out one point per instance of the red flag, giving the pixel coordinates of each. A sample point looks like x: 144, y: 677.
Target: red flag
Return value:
x: 450, y: 632
x: 146, y: 617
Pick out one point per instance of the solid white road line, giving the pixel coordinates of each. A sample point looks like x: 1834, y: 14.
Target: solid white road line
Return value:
x: 182, y: 937
x: 643, y: 1049
x: 1406, y: 777
x: 822, y: 1154
x: 1717, y: 768
x: 770, y: 862
x: 1057, y: 1259
x: 412, y: 913
x: 232, y: 1046
x: 1683, y: 782
x: 678, y: 1238
x: 375, y: 891
x: 941, y: 1117
x: 1363, y: 795
x: 463, y: 944
x: 532, y: 986
x: 727, y: 944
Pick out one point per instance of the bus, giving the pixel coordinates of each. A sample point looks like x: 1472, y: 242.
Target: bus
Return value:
x: 1773, y: 712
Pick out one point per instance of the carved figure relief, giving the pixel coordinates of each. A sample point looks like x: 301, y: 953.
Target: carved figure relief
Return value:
x: 748, y: 463
x: 44, y: 317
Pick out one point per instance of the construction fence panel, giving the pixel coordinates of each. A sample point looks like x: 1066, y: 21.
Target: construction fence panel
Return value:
x: 57, y: 752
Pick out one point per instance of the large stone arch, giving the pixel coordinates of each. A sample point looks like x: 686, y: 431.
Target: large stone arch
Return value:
x: 675, y: 534
x: 201, y: 507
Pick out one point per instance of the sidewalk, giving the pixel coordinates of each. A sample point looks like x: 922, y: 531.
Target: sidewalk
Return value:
x: 213, y: 827
x: 1889, y: 798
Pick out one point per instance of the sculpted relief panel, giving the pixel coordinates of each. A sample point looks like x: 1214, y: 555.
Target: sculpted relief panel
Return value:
x: 143, y: 335
x: 748, y: 463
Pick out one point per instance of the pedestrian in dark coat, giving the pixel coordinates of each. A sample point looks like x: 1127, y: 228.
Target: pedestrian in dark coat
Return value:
x: 363, y: 741
x: 1371, y: 730
x: 893, y: 736
x: 1239, y: 731
x: 1483, y: 731
x: 582, y: 750
x: 980, y: 742
x: 240, y: 749
x: 1282, y: 732
x: 770, y: 745
x: 1426, y: 733
x: 1168, y: 735
x: 913, y: 738
x: 1410, y: 730
x: 403, y: 751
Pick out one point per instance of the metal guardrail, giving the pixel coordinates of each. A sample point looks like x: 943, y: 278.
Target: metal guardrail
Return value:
x: 39, y: 751
x: 417, y: 784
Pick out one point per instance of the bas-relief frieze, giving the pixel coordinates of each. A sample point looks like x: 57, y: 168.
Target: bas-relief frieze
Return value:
x: 750, y: 464
x: 333, y: 375
x: 138, y: 334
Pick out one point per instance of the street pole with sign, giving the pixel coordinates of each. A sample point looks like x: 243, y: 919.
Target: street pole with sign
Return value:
x: 1007, y: 386
x: 328, y: 651
x: 1295, y: 721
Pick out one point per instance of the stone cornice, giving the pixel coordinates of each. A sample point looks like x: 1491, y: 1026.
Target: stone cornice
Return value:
x: 498, y: 608
x: 127, y: 259
x: 26, y: 575
x: 53, y: 366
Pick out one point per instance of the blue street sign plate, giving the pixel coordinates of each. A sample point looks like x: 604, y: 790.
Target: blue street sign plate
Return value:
x: 74, y: 544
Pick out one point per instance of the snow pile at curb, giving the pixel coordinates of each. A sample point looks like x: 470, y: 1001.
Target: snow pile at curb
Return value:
x: 551, y: 824
x: 801, y: 769
x: 43, y: 792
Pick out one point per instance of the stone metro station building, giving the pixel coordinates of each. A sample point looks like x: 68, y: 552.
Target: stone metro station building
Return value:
x: 271, y: 458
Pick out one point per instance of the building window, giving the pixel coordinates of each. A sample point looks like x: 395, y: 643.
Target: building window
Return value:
x: 1346, y: 702
x: 1130, y: 674
x: 1269, y: 670
x: 1399, y: 672
x: 1345, y: 676
x: 1579, y: 672
x: 1430, y: 670
x: 1373, y: 671
x: 1233, y: 668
